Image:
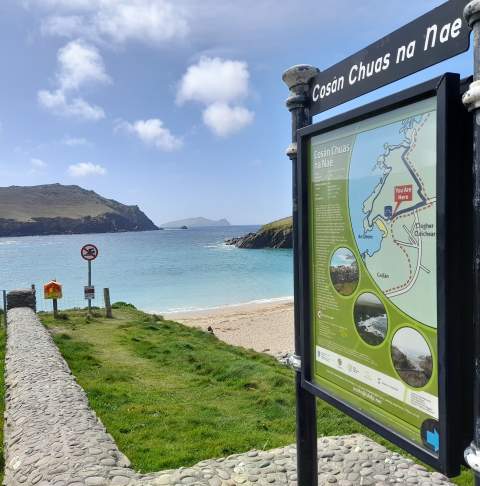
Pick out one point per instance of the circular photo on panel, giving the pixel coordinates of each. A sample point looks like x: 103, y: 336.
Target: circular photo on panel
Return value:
x: 412, y: 357
x: 344, y: 271
x: 370, y: 319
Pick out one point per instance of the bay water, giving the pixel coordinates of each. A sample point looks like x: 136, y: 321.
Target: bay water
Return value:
x: 157, y: 271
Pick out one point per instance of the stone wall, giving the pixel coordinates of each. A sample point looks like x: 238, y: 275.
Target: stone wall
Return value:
x: 52, y: 437
x: 22, y: 298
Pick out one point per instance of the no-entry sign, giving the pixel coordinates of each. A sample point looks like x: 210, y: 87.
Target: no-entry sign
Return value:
x: 89, y: 252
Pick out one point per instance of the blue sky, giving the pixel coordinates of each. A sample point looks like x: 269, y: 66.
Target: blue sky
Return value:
x: 175, y: 105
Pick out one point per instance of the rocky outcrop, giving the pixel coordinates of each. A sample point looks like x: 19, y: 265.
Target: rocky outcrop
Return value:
x: 55, y: 209
x: 105, y: 223
x: 274, y: 235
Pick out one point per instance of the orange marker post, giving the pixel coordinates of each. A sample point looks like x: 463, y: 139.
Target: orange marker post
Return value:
x: 53, y: 291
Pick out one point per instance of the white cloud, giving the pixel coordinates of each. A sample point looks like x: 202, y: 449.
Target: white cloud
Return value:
x: 219, y: 84
x: 152, y: 132
x: 84, y: 169
x: 57, y: 103
x: 38, y: 163
x: 213, y: 80
x: 225, y: 120
x: 79, y: 64
x: 75, y: 141
x: 152, y: 22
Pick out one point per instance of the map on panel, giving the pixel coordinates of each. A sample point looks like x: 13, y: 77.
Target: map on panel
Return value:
x: 392, y: 196
x: 373, y: 243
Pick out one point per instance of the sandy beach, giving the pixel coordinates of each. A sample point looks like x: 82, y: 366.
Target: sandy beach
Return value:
x: 264, y: 327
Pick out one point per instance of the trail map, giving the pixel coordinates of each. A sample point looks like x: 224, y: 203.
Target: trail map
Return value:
x: 393, y: 211
x: 373, y: 246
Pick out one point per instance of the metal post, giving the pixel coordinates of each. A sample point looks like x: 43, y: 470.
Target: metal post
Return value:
x: 89, y: 284
x: 298, y: 80
x: 471, y: 100
x: 108, y: 305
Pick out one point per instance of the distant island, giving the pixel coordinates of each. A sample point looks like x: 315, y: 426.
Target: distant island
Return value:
x: 278, y: 234
x: 195, y: 223
x: 55, y: 209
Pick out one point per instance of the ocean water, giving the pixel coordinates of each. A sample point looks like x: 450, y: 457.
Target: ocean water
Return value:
x: 159, y: 271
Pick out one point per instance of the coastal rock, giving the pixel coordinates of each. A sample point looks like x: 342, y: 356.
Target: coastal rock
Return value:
x: 278, y: 234
x: 55, y: 209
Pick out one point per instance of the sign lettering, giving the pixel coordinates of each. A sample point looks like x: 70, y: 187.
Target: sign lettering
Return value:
x: 428, y: 40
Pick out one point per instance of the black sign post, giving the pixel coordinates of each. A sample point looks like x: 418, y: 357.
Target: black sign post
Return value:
x: 428, y: 40
x: 471, y: 100
x: 89, y: 253
x: 298, y: 79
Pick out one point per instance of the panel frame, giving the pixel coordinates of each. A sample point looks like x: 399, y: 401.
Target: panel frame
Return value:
x: 453, y: 191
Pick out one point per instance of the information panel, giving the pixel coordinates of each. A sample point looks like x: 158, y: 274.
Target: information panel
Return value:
x: 373, y: 220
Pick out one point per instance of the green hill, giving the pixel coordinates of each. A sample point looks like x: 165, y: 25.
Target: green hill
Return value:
x: 277, y: 234
x: 58, y: 209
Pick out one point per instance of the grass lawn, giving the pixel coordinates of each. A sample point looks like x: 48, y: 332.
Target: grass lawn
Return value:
x: 285, y: 223
x: 172, y: 396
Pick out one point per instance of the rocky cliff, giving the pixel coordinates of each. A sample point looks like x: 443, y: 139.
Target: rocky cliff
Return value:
x: 278, y: 234
x: 56, y: 209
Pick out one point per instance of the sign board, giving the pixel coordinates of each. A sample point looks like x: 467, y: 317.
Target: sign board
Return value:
x: 436, y: 36
x: 375, y: 276
x: 89, y: 252
x: 89, y: 292
x: 52, y: 290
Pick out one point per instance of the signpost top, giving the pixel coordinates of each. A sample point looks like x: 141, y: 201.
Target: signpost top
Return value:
x: 432, y: 38
x: 89, y: 252
x: 52, y: 290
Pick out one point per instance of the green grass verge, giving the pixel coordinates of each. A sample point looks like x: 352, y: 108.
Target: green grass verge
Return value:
x: 285, y: 223
x: 172, y: 396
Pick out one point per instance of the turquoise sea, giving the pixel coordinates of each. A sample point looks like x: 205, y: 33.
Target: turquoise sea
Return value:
x: 157, y: 271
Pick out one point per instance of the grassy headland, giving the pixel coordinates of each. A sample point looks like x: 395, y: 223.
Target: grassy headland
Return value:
x: 280, y: 224
x: 172, y: 395
x: 277, y: 234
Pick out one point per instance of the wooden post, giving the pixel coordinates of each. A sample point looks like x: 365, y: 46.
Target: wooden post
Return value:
x: 55, y: 308
x: 108, y: 305
x: 5, y: 308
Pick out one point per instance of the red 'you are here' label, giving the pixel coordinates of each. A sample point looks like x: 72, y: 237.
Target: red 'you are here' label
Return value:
x: 403, y: 194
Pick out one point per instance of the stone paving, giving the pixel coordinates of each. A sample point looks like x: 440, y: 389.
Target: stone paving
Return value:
x: 345, y: 461
x: 52, y: 437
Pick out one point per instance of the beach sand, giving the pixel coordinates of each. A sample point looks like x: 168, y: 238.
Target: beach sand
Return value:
x: 264, y: 327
